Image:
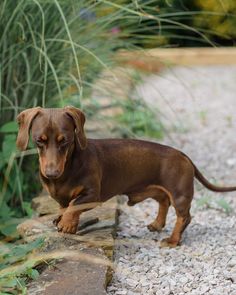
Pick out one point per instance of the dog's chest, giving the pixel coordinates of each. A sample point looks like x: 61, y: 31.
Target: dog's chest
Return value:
x: 63, y: 194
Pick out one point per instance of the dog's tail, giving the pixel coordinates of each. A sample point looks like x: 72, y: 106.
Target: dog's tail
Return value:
x: 207, y: 184
x: 211, y: 186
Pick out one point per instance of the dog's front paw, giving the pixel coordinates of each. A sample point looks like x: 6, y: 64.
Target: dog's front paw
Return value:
x: 155, y: 226
x: 67, y: 225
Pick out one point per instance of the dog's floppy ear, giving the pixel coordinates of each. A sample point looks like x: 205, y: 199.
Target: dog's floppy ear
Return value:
x: 79, y: 119
x: 24, y: 120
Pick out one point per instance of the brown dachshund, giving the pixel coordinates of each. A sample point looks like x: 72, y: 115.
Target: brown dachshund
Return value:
x: 79, y: 173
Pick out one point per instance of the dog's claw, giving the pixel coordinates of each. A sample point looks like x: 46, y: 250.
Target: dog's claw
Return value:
x: 69, y: 228
x: 57, y: 220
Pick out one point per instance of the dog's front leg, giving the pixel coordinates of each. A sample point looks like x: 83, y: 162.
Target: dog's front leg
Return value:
x: 70, y: 218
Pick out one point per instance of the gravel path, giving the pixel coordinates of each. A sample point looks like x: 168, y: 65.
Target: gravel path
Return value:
x: 199, y: 107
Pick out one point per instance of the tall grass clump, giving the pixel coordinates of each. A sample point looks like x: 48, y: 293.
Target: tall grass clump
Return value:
x: 48, y: 48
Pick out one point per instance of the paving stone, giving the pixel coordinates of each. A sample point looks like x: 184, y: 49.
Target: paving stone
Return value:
x: 71, y: 278
x: 89, y: 270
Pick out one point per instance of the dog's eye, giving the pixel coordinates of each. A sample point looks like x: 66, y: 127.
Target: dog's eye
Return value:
x: 63, y: 142
x: 40, y: 142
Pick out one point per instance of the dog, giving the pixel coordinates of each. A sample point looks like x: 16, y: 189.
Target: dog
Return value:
x: 80, y: 173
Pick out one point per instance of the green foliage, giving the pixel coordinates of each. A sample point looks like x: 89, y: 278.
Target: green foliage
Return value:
x: 218, y: 204
x: 139, y: 120
x: 13, y: 182
x: 221, y: 18
x: 177, y: 22
x: 50, y: 50
x: 204, y: 201
x: 16, y: 266
x: 222, y: 203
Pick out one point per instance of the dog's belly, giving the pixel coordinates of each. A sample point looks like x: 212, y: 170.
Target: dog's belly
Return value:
x: 129, y: 167
x: 122, y: 183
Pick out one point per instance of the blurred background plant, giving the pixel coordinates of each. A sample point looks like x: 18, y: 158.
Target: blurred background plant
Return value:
x: 175, y: 23
x: 52, y: 51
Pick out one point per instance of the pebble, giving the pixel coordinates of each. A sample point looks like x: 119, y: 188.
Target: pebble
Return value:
x: 231, y: 161
x: 183, y: 280
x: 187, y: 289
x: 213, y: 282
x: 232, y: 262
x: 131, y: 282
x: 204, y: 289
x: 132, y: 293
x: 233, y: 277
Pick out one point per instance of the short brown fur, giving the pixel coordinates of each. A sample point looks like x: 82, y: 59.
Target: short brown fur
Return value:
x: 80, y: 174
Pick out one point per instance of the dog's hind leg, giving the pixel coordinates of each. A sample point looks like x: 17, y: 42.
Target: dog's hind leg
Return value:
x: 159, y: 223
x: 182, y: 208
x: 159, y: 194
x: 180, y: 188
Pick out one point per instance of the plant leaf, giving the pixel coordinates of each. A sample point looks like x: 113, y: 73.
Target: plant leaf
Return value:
x: 10, y: 127
x: 32, y: 273
x: 224, y: 205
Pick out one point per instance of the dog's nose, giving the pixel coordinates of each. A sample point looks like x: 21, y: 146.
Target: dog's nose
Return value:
x: 51, y: 173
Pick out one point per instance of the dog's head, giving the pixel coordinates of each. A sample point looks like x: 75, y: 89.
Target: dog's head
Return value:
x: 55, y: 133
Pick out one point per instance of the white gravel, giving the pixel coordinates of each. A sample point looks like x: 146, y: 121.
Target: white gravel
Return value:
x: 199, y: 107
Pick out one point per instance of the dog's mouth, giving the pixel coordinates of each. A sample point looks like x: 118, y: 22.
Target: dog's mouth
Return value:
x: 51, y: 174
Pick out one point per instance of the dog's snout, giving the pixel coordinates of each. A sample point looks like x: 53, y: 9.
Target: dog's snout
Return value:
x: 51, y: 173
